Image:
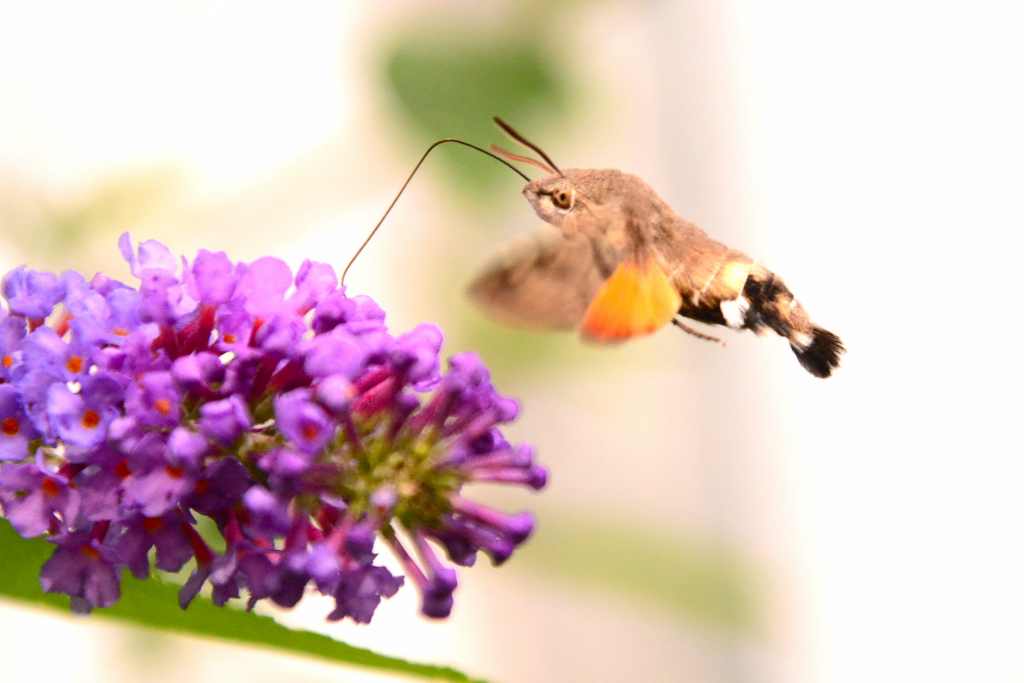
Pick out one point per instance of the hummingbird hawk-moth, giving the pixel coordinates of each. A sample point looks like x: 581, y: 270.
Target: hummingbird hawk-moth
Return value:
x: 615, y: 261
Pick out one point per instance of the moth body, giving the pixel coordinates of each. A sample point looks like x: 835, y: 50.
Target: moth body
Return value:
x: 615, y: 261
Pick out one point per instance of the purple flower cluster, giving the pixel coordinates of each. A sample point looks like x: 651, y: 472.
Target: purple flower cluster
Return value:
x: 274, y: 407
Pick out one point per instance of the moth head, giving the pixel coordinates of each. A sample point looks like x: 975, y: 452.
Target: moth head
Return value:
x: 553, y: 198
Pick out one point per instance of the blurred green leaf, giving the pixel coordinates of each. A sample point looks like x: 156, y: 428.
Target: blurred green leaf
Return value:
x: 155, y: 604
x: 453, y: 88
x: 699, y: 579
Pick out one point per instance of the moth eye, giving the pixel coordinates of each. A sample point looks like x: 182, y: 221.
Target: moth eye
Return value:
x: 561, y: 199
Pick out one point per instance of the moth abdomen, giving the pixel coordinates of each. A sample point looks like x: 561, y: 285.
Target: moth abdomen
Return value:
x: 770, y: 304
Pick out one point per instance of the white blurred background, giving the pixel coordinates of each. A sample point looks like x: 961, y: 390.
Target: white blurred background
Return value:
x: 714, y: 514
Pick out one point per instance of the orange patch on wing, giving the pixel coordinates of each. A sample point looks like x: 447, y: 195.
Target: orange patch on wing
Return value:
x: 634, y: 300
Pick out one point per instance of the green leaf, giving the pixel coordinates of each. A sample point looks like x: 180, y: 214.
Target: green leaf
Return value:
x: 155, y: 604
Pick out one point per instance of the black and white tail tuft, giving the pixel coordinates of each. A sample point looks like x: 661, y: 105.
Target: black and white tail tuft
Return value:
x: 821, y: 356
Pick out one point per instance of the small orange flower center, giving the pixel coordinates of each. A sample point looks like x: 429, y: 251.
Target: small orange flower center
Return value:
x: 229, y: 339
x: 90, y: 419
x: 163, y: 406
x: 202, y: 486
x: 174, y: 472
x: 74, y: 364
x: 122, y: 470
x: 8, y: 361
x: 119, y: 332
x: 50, y: 487
x: 152, y: 524
x: 10, y: 427
x: 90, y: 552
x: 310, y: 431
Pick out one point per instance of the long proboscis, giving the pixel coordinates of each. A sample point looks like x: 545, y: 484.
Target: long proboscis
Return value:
x: 512, y: 133
x: 406, y: 184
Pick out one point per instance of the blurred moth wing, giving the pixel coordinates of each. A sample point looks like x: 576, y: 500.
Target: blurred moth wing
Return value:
x: 637, y: 299
x: 545, y: 281
x: 540, y: 281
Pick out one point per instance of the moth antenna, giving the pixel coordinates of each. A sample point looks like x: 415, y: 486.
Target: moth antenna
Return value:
x: 695, y: 333
x: 406, y: 184
x: 517, y: 157
x: 511, y: 132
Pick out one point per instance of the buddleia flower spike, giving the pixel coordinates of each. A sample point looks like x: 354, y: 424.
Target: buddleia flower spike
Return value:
x: 269, y: 402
